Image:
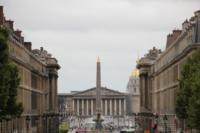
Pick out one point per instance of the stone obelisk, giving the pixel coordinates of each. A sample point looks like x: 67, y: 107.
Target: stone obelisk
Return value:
x: 98, y: 87
x: 98, y: 120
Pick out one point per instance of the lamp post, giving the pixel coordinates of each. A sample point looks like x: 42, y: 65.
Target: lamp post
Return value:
x: 27, y: 122
x: 37, y: 123
x: 165, y: 124
x: 44, y: 123
x: 155, y: 126
x: 135, y: 119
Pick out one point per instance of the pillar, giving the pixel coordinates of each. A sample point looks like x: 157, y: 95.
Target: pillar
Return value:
x: 115, y: 107
x: 82, y: 107
x: 106, y: 106
x: 101, y: 106
x: 77, y: 107
x: 73, y: 106
x: 111, y: 107
x: 120, y: 107
x: 124, y: 107
x: 92, y: 108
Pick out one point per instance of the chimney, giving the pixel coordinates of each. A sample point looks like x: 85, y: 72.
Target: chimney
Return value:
x: 18, y: 33
x: 28, y: 45
x: 185, y: 25
x: 172, y: 37
x: 169, y: 40
x: 10, y: 24
x: 192, y: 18
x: 22, y: 39
x: 197, y: 13
x: 1, y: 15
x: 41, y: 49
x: 176, y: 33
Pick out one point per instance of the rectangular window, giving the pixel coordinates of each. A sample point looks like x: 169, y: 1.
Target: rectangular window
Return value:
x: 175, y: 73
x: 34, y: 101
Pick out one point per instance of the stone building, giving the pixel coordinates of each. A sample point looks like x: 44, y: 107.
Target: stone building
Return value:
x: 159, y: 75
x: 113, y: 103
x: 65, y: 104
x: 133, y: 101
x: 38, y: 72
x: 83, y: 103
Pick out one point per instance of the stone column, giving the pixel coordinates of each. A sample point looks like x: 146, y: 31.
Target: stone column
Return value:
x: 82, y: 107
x: 77, y: 107
x: 101, y: 106
x: 120, y: 107
x: 73, y: 106
x: 92, y: 108
x: 115, y: 107
x: 106, y: 106
x: 87, y: 113
x: 111, y: 107
x: 124, y: 107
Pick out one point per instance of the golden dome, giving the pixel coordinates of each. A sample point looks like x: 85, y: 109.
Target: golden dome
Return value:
x: 135, y: 73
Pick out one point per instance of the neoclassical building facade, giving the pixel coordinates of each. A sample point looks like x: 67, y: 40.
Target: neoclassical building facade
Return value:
x: 90, y: 102
x: 113, y: 103
x: 37, y: 92
x: 159, y: 75
x: 83, y: 103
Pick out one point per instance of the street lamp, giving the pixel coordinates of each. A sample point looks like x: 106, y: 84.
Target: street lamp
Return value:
x: 37, y: 122
x: 27, y: 122
x: 155, y: 126
x: 45, y: 123
x: 165, y: 120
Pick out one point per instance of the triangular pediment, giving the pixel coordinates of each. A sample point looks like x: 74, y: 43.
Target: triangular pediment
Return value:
x: 92, y: 91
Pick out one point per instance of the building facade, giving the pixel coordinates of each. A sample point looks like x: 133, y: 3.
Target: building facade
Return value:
x: 37, y: 92
x: 96, y: 100
x: 65, y: 104
x: 133, y: 101
x: 82, y: 104
x: 113, y: 103
x: 159, y: 77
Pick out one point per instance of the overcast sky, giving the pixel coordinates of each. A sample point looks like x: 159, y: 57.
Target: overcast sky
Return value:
x: 77, y: 31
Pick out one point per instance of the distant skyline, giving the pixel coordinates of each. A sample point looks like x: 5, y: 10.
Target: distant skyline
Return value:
x: 77, y: 31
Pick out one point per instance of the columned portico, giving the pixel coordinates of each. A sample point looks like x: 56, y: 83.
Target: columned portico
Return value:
x: 109, y: 106
x: 98, y: 100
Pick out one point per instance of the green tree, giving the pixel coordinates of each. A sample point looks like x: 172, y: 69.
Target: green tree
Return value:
x: 9, y: 81
x: 13, y: 108
x: 3, y: 73
x: 188, y: 97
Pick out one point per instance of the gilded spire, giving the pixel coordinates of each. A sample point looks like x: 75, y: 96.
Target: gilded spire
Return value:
x: 98, y: 59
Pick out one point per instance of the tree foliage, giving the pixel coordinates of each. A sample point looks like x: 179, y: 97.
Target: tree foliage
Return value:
x: 188, y: 97
x: 9, y: 81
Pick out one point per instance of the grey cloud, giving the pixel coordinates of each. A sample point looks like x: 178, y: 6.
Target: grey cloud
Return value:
x: 77, y: 31
x: 94, y: 14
